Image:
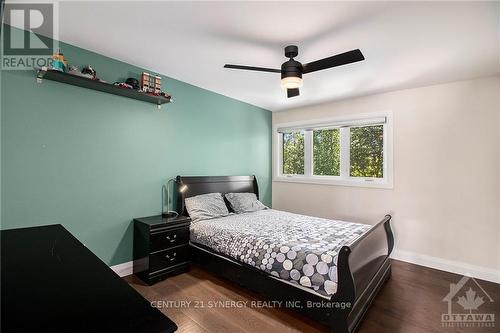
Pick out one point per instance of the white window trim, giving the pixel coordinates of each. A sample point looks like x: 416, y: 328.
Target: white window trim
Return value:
x: 344, y: 179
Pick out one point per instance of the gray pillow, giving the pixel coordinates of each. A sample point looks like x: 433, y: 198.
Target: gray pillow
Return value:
x: 206, y: 206
x: 244, y: 202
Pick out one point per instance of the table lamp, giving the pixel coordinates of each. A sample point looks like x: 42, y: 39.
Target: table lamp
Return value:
x: 165, y: 192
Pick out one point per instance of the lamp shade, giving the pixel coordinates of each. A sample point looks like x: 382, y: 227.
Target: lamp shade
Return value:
x: 291, y: 82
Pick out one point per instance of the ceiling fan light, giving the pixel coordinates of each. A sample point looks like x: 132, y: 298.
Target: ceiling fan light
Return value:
x: 291, y: 82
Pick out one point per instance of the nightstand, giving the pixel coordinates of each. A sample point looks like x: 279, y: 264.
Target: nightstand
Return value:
x: 161, y: 247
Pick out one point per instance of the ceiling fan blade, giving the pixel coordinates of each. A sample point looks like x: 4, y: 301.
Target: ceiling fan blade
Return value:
x: 292, y: 92
x: 334, y: 61
x: 251, y: 68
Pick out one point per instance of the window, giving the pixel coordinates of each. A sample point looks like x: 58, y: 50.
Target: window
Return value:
x: 367, y: 151
x: 326, y: 152
x: 293, y: 153
x: 345, y: 151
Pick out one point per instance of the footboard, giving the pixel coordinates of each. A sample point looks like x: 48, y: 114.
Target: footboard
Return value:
x: 362, y: 266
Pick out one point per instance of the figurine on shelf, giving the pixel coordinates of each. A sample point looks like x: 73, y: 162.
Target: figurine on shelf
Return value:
x: 133, y: 82
x: 59, y: 63
x: 166, y: 95
x: 74, y: 71
x: 123, y: 85
x: 89, y: 72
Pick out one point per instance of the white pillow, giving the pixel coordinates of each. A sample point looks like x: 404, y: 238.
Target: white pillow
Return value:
x: 244, y: 202
x: 206, y: 206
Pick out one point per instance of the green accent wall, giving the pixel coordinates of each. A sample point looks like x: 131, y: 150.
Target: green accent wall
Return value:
x: 93, y: 161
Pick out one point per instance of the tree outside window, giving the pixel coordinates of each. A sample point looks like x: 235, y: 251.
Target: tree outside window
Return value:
x: 293, y: 153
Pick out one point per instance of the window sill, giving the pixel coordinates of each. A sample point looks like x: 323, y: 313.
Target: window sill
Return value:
x: 335, y: 182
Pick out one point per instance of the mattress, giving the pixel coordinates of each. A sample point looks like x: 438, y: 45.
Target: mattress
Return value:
x: 301, y: 250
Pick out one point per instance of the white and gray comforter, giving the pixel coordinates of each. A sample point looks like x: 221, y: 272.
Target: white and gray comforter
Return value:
x: 297, y: 248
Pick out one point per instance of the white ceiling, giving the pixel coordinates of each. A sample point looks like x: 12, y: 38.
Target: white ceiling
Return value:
x: 405, y: 44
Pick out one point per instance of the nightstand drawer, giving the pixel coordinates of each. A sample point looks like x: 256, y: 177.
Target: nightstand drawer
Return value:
x: 168, y: 258
x: 170, y: 238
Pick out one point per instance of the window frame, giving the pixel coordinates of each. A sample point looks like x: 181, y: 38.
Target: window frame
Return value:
x: 344, y: 179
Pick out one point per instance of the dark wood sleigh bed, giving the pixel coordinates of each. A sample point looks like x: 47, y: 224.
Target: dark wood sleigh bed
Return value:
x: 362, y: 266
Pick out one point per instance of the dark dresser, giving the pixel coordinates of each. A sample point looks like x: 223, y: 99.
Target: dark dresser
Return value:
x: 52, y: 283
x: 161, y: 247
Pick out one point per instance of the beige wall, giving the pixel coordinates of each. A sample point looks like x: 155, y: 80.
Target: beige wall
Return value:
x: 446, y: 197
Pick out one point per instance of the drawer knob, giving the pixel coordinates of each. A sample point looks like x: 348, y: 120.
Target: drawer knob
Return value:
x: 171, y: 257
x: 171, y: 239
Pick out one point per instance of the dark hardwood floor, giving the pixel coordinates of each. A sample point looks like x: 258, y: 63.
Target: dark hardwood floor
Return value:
x: 411, y: 301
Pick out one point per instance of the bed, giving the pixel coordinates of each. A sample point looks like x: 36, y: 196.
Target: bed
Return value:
x: 328, y: 270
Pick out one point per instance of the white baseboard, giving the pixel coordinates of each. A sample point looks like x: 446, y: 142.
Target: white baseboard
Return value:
x: 456, y: 267
x: 123, y: 269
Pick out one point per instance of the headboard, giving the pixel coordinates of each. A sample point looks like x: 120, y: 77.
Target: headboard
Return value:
x: 210, y: 184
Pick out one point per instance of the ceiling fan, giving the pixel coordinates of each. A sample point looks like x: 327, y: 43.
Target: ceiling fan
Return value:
x: 292, y: 70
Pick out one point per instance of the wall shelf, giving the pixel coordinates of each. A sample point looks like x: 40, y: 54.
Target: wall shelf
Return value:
x: 75, y: 80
